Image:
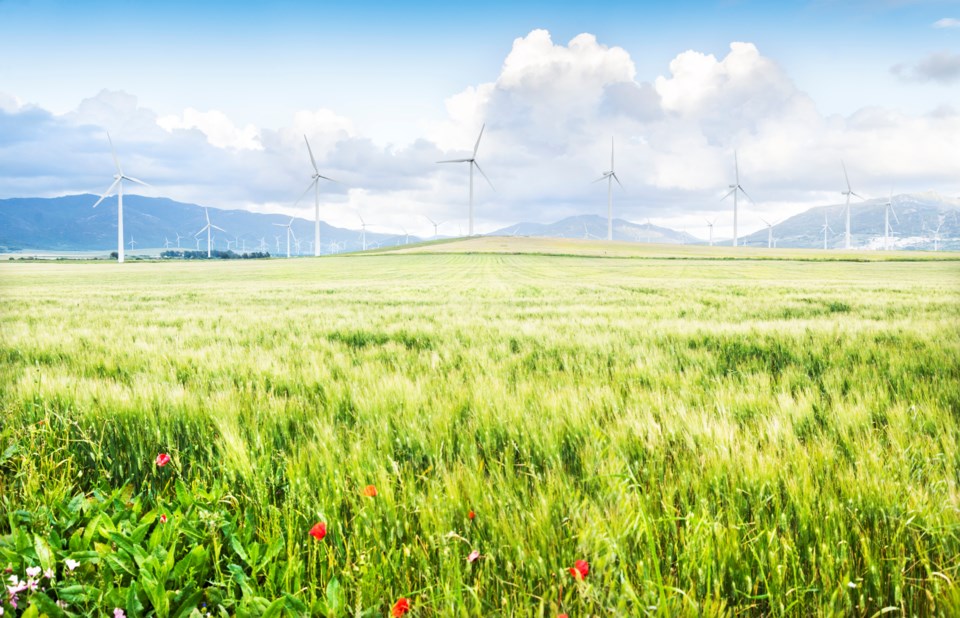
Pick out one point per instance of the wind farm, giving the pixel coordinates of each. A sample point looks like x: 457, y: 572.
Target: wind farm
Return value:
x: 353, y: 383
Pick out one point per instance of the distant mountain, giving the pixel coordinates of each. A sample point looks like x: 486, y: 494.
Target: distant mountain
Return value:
x: 595, y: 227
x: 914, y: 226
x: 70, y: 223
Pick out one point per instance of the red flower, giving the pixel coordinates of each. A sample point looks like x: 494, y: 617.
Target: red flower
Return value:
x: 370, y: 491
x: 580, y: 569
x: 163, y: 519
x: 471, y: 515
x: 319, y: 530
x: 401, y: 607
x: 562, y: 616
x: 473, y: 556
x: 162, y: 460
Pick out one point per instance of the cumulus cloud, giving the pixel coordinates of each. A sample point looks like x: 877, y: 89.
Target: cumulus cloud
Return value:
x: 217, y: 128
x: 947, y: 22
x: 942, y: 67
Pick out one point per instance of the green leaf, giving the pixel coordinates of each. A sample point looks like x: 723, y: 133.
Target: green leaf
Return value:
x: 273, y: 610
x: 295, y: 605
x: 47, y: 605
x: 190, y: 599
x: 133, y: 606
x: 32, y: 612
x: 137, y: 552
x: 77, y: 594
x: 334, y: 598
x: 44, y: 553
x: 156, y: 592
x: 183, y: 495
x: 9, y: 452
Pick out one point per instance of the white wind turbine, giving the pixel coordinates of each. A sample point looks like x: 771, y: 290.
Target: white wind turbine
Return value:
x: 710, y: 227
x: 178, y: 239
x: 290, y: 233
x: 826, y: 228
x: 197, y: 238
x: 848, y: 193
x: 166, y: 242
x: 735, y: 189
x: 315, y: 185
x: 936, y: 236
x: 208, y: 228
x: 769, y: 232
x: 132, y: 243
x: 473, y: 163
x: 888, y: 208
x: 435, y: 225
x: 610, y: 176
x: 119, y: 177
x: 263, y: 245
x: 363, y: 232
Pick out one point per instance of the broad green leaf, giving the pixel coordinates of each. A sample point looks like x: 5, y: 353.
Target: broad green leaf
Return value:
x: 47, y: 605
x: 334, y: 598
x: 44, y: 553
x: 273, y: 610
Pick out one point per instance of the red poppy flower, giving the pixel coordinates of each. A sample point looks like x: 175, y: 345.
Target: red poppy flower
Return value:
x: 562, y: 616
x: 319, y: 530
x: 163, y: 519
x: 370, y: 491
x: 162, y: 460
x: 471, y: 515
x: 580, y: 569
x: 401, y: 607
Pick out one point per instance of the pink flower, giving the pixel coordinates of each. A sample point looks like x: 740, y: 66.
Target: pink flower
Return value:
x: 473, y: 556
x: 162, y: 460
x: 118, y: 613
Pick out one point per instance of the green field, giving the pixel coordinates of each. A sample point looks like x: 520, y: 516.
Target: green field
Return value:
x: 714, y: 436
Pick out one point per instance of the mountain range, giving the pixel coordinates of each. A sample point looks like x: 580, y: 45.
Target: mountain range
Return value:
x: 70, y: 224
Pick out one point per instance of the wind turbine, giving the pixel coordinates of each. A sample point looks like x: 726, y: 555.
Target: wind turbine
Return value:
x: 363, y: 232
x: 735, y: 189
x: 208, y: 228
x: 610, y: 176
x: 435, y: 225
x: 197, y: 238
x: 315, y: 185
x: 848, y: 193
x: 178, y: 239
x: 263, y: 244
x: 648, y: 231
x: 473, y: 163
x: 936, y: 236
x: 132, y: 243
x: 118, y: 179
x: 710, y: 227
x: 289, y: 234
x: 769, y: 232
x: 166, y: 242
x: 888, y: 208
x: 826, y: 228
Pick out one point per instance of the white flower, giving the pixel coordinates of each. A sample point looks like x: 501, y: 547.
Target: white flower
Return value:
x: 71, y: 564
x: 33, y: 572
x: 49, y: 573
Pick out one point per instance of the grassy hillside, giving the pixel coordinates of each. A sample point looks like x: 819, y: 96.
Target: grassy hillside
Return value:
x: 713, y: 437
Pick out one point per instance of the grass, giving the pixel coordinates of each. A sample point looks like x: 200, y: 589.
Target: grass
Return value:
x: 715, y: 437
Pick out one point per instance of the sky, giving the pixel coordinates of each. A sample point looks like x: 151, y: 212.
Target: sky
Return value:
x: 209, y: 103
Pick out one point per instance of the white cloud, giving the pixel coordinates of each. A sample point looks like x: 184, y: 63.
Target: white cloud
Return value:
x: 947, y: 22
x: 216, y: 126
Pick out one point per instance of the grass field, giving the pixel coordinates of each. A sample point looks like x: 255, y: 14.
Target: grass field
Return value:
x: 713, y: 436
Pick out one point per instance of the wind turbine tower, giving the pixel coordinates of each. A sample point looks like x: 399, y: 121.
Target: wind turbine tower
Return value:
x: 472, y: 161
x: 888, y: 208
x: 208, y: 228
x: 735, y: 189
x: 289, y: 234
x: 848, y: 193
x: 118, y: 179
x: 710, y: 227
x: 610, y: 175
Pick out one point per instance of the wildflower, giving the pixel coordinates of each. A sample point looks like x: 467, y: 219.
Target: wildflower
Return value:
x: 49, y: 573
x: 562, y: 616
x: 71, y: 564
x: 118, y: 613
x: 162, y: 460
x: 580, y: 569
x: 61, y: 604
x: 471, y: 515
x: 401, y: 607
x: 473, y: 556
x: 370, y: 491
x: 163, y: 519
x: 319, y: 530
x: 33, y: 572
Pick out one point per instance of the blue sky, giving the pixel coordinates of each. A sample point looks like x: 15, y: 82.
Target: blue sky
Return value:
x: 383, y: 75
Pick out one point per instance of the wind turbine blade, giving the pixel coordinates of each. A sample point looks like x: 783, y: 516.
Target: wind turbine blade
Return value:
x: 330, y: 179
x: 617, y: 179
x: 744, y: 192
x: 107, y: 193
x: 478, y: 140
x: 895, y: 218
x: 304, y: 194
x: 845, y: 176
x: 858, y: 195
x: 604, y: 177
x: 202, y: 230
x: 484, y: 176
x: 218, y: 228
x: 611, y: 156
x: 292, y: 234
x: 310, y: 150
x: 139, y: 182
x: 728, y: 194
x: 279, y: 224
x: 456, y: 161
x: 736, y: 167
x: 113, y: 151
